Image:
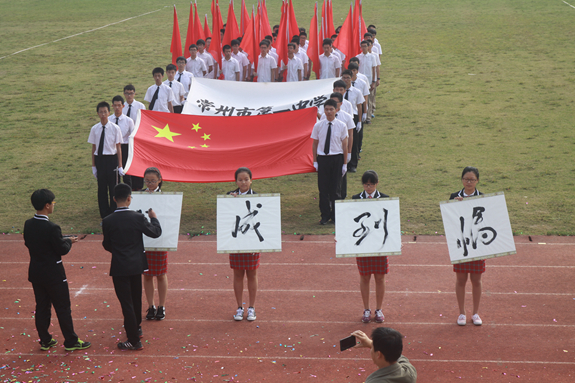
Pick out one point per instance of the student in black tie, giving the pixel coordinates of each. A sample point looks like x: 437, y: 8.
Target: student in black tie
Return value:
x: 123, y: 238
x: 106, y: 138
x: 131, y: 107
x: 126, y: 125
x: 329, y: 151
x: 354, y: 96
x: 46, y: 273
x: 159, y: 95
x: 378, y: 266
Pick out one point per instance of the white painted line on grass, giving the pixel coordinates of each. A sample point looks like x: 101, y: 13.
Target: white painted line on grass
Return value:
x: 568, y: 4
x: 81, y: 33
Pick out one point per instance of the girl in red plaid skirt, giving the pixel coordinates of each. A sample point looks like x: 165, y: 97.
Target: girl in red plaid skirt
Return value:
x: 469, y: 178
x: 157, y: 260
x: 245, y: 264
x: 378, y: 266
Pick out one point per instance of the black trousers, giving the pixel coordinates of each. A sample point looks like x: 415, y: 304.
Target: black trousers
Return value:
x: 355, y: 147
x: 107, y: 179
x: 328, y: 183
x: 129, y: 292
x: 178, y: 109
x: 126, y: 179
x: 57, y: 295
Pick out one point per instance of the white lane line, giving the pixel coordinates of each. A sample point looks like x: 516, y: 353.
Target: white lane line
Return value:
x: 80, y: 291
x: 81, y: 33
x: 568, y: 4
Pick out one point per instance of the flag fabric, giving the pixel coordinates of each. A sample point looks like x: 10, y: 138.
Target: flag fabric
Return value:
x: 198, y: 30
x: 330, y: 26
x: 244, y: 18
x: 209, y: 149
x: 283, y: 37
x: 207, y: 32
x: 190, y: 33
x: 216, y: 45
x: 356, y: 31
x: 232, y: 30
x: 265, y: 28
x: 313, y: 45
x: 293, y: 27
x: 344, y: 38
x: 176, y: 47
x: 250, y: 41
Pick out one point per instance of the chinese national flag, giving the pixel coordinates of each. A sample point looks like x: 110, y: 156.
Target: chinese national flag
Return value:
x: 188, y: 148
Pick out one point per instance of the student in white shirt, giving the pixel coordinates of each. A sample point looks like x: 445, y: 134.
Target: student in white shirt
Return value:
x: 267, y: 66
x: 303, y: 42
x: 294, y: 66
x: 131, y: 106
x: 367, y: 64
x: 230, y: 66
x: 354, y: 96
x: 183, y: 76
x: 303, y: 57
x: 242, y: 59
x: 208, y: 59
x: 329, y: 65
x: 195, y: 65
x: 177, y: 88
x: 126, y: 127
x: 160, y: 96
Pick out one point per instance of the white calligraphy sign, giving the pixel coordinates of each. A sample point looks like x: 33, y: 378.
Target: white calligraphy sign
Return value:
x: 168, y: 208
x: 367, y: 227
x: 249, y: 223
x: 477, y: 228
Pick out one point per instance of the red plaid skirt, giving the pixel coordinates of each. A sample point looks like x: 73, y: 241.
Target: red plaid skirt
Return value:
x: 157, y: 263
x: 246, y: 261
x: 473, y: 267
x: 372, y: 265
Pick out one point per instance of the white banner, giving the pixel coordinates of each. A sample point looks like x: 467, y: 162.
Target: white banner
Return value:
x: 232, y: 98
x: 168, y: 208
x: 249, y: 223
x: 367, y: 227
x: 477, y: 228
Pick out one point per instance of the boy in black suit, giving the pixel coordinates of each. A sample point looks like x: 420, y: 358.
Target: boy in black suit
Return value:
x: 123, y: 231
x: 46, y: 272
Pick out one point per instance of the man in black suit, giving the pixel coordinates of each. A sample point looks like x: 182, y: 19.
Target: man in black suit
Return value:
x: 123, y: 231
x: 46, y: 272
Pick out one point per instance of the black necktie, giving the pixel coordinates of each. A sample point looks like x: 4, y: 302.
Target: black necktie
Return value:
x: 346, y: 92
x: 102, y: 137
x: 117, y: 118
x: 129, y: 110
x: 353, y: 83
x: 170, y: 84
x: 180, y: 78
x: 154, y: 98
x: 327, y: 139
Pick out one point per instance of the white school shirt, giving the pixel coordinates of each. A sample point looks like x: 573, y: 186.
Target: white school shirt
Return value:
x: 361, y: 85
x: 186, y: 80
x: 164, y: 95
x: 111, y: 139
x: 304, y: 47
x: 376, y: 58
x: 265, y: 66
x: 377, y: 46
x: 230, y: 68
x: 126, y: 126
x: 340, y: 53
x: 344, y: 117
x: 243, y: 60
x: 136, y: 105
x: 274, y: 55
x: 178, y: 90
x: 302, y: 56
x: 207, y: 57
x: 328, y: 65
x: 345, y: 106
x: 292, y: 67
x: 366, y: 63
x: 338, y: 134
x: 355, y: 97
x: 196, y: 67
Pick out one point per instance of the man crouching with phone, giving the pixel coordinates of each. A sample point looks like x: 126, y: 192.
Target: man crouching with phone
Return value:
x: 386, y: 348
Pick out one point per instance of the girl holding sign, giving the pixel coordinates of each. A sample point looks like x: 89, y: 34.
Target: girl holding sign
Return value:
x: 474, y: 269
x: 245, y: 263
x: 157, y: 260
x: 378, y: 266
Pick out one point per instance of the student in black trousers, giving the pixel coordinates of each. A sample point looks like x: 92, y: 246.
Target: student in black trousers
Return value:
x: 123, y: 231
x: 46, y: 272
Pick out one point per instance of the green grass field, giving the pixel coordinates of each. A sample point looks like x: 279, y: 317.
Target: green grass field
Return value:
x: 488, y: 84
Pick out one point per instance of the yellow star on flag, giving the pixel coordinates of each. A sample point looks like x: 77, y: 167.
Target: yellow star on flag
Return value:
x: 205, y: 146
x: 165, y: 132
x: 206, y: 137
x: 196, y: 127
x: 191, y: 147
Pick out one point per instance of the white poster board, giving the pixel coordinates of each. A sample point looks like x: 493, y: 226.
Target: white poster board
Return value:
x: 367, y: 227
x: 249, y: 223
x: 477, y: 228
x: 168, y: 208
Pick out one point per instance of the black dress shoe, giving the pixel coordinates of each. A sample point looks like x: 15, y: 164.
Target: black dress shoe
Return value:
x: 324, y: 222
x: 352, y: 170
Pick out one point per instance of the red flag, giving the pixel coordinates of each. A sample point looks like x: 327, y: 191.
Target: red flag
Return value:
x: 283, y: 37
x: 323, y: 29
x: 189, y: 148
x: 176, y: 47
x: 363, y: 29
x: 356, y: 31
x: 244, y: 18
x: 198, y: 30
x: 232, y: 30
x: 293, y: 27
x: 216, y: 45
x: 266, y: 30
x: 250, y: 42
x: 330, y: 26
x: 314, y: 45
x: 207, y: 32
x: 190, y: 34
x: 344, y: 39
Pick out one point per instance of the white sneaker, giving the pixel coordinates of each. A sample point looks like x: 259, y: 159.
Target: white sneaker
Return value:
x: 476, y: 320
x: 462, y: 320
x: 239, y: 314
x: 251, y: 313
